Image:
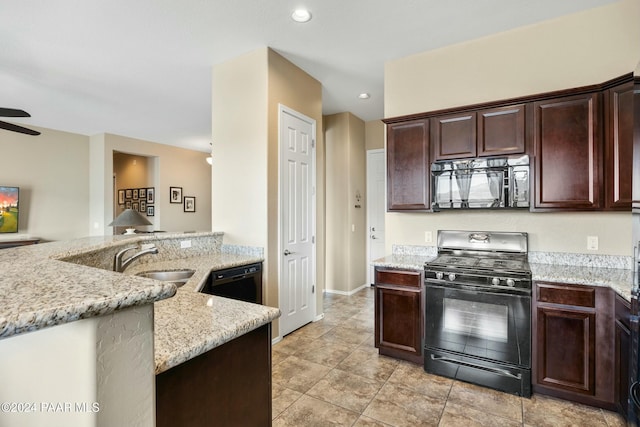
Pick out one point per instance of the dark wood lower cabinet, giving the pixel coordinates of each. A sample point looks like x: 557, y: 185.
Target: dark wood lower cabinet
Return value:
x: 573, y: 342
x: 622, y: 348
x: 229, y: 385
x: 399, y: 314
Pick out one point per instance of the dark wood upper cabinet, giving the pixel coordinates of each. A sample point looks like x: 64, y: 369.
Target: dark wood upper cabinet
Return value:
x: 408, y: 165
x: 636, y: 143
x: 454, y: 136
x: 618, y: 103
x: 501, y: 131
x: 568, y: 153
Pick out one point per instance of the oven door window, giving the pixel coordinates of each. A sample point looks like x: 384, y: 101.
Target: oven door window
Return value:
x: 480, y: 324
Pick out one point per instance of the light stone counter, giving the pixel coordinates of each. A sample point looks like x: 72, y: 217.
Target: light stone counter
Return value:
x: 618, y: 279
x: 192, y: 323
x: 580, y: 269
x: 60, y: 282
x: 403, y: 261
x: 38, y: 290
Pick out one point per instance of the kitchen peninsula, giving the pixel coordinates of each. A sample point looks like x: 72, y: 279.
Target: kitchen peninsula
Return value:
x: 80, y: 344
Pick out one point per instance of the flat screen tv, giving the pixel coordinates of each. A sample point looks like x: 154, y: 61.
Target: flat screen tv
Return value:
x: 9, y: 209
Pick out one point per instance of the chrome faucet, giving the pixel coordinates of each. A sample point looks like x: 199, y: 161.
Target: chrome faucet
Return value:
x: 119, y: 265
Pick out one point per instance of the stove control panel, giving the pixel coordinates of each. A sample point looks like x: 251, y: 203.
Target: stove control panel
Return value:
x: 479, y: 280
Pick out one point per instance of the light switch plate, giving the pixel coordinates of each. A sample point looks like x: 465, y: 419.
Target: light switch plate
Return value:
x: 428, y: 237
x: 592, y: 243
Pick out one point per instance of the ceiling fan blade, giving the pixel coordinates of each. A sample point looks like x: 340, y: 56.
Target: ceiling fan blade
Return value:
x: 12, y: 112
x: 19, y: 129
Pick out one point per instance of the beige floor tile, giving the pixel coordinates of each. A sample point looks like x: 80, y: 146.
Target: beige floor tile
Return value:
x: 291, y: 344
x: 347, y: 335
x: 310, y: 412
x: 487, y: 400
x: 314, y: 330
x: 456, y: 415
x: 298, y: 374
x: 400, y: 407
x: 413, y: 376
x: 326, y: 353
x: 282, y: 398
x: 544, y: 411
x: 369, y: 365
x: 364, y: 421
x: 277, y: 356
x: 346, y: 390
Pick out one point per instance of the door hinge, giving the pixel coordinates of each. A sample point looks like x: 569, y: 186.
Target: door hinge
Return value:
x: 313, y: 289
x: 313, y: 239
x: 313, y: 143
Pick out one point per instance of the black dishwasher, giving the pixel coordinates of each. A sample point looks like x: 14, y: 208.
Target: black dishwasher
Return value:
x: 242, y: 283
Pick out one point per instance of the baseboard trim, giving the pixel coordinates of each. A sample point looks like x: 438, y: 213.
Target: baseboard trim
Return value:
x: 346, y: 293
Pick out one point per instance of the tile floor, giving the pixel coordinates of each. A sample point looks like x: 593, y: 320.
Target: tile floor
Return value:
x: 328, y: 373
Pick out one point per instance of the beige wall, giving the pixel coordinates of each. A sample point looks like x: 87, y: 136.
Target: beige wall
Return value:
x: 374, y: 135
x: 172, y: 167
x: 246, y: 92
x: 575, y: 50
x: 131, y: 171
x: 346, y: 224
x: 53, y: 174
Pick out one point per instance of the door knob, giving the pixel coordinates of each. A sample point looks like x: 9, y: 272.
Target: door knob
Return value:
x: 287, y: 252
x: 373, y: 237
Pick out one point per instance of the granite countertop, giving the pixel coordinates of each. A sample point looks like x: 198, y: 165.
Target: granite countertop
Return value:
x: 192, y: 323
x: 38, y: 289
x: 621, y: 280
x: 618, y: 279
x: 411, y: 262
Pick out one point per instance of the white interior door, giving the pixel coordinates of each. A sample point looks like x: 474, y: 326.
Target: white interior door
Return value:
x: 376, y: 193
x: 297, y: 220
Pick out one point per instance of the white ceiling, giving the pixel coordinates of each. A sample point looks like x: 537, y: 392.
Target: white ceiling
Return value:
x: 142, y: 68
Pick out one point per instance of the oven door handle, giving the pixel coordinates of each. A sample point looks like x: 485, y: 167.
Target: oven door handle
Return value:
x: 498, y: 371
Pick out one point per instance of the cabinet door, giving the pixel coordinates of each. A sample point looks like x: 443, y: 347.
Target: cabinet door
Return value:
x: 566, y: 349
x: 398, y: 323
x: 622, y: 348
x: 408, y: 165
x: 568, y: 146
x: 636, y: 144
x: 454, y: 136
x: 501, y: 131
x: 618, y: 147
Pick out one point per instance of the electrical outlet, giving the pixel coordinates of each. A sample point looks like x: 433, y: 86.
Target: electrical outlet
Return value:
x: 592, y: 243
x: 428, y: 237
x: 185, y: 244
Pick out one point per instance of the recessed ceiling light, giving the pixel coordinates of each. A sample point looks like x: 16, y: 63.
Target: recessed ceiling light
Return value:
x: 364, y: 95
x: 301, y: 15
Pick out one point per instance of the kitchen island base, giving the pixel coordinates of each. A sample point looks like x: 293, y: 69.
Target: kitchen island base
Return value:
x: 229, y: 385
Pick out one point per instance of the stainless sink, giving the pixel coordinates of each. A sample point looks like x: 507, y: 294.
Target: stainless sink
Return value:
x: 177, y: 277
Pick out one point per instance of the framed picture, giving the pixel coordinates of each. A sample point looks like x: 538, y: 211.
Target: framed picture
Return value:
x: 127, y: 193
x: 135, y: 194
x: 151, y: 195
x: 189, y: 204
x: 175, y: 194
x: 150, y: 210
x: 143, y: 206
x: 121, y: 197
x: 127, y: 204
x: 142, y: 193
x: 135, y: 206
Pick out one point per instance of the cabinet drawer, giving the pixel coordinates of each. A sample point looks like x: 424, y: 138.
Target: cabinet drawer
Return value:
x: 398, y: 277
x: 622, y: 310
x: 582, y: 296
